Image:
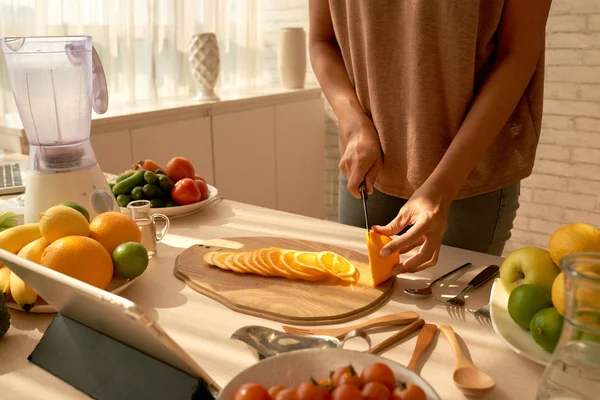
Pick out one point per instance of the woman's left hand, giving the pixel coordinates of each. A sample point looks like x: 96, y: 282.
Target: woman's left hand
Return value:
x: 427, y: 212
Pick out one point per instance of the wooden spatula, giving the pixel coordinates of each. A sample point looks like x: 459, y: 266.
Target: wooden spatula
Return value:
x: 424, y: 339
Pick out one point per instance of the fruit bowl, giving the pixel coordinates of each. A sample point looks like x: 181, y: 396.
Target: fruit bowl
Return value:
x: 517, y: 339
x: 116, y: 286
x: 291, y: 369
x: 181, y: 211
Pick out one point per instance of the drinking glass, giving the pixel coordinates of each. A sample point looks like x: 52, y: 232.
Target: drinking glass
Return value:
x: 146, y: 221
x: 573, y: 372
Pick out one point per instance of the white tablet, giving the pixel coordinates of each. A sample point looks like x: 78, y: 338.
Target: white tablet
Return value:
x: 105, y: 312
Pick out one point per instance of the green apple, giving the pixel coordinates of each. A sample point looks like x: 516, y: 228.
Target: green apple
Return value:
x: 529, y: 264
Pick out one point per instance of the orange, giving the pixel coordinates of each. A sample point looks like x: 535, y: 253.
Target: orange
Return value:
x: 113, y: 228
x: 81, y: 258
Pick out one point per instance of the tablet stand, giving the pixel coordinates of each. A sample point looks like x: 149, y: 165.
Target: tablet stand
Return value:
x: 106, y: 369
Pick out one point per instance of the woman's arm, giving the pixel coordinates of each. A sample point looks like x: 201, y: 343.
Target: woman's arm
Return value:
x: 520, y: 43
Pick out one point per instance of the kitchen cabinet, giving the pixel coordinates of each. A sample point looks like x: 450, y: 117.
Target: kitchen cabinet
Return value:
x: 190, y: 138
x: 244, y: 153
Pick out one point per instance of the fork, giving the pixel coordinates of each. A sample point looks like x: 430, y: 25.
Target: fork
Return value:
x: 483, y: 311
x: 401, y: 318
x: 481, y: 278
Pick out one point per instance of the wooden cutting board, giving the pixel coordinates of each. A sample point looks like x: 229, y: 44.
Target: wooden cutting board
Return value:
x: 280, y: 299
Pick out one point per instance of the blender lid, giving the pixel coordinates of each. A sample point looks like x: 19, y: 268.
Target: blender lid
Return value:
x: 99, y: 88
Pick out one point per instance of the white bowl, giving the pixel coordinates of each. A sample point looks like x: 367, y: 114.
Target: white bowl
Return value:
x: 291, y: 369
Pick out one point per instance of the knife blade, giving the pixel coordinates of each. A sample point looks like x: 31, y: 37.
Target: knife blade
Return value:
x: 363, y: 193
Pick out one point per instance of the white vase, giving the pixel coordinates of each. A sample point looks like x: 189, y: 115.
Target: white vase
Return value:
x: 291, y: 60
x: 205, y: 63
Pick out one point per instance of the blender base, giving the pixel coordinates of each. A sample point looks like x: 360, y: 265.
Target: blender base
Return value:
x: 43, y: 191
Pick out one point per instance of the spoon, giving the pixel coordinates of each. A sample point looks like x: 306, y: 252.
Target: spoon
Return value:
x: 467, y: 377
x: 428, y: 290
x: 424, y: 339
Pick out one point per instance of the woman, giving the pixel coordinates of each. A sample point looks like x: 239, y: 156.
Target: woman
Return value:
x: 439, y: 104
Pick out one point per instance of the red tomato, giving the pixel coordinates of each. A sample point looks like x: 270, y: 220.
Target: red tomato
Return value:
x: 409, y: 392
x: 185, y: 192
x: 309, y: 391
x: 251, y: 391
x: 379, y: 372
x: 286, y: 394
x: 349, y: 378
x: 376, y: 391
x: 273, y: 390
x: 337, y: 374
x: 179, y: 168
x: 346, y: 392
x: 196, y: 177
x: 203, y: 189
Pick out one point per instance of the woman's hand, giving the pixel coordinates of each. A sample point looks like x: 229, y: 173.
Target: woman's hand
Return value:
x: 361, y: 155
x: 427, y: 212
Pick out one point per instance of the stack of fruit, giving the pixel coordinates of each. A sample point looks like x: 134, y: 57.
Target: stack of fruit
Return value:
x: 535, y: 283
x: 176, y: 185
x: 66, y: 241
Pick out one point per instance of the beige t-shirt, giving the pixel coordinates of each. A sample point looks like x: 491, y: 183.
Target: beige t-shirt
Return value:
x: 416, y: 66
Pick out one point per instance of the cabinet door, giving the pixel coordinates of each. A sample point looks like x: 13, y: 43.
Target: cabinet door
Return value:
x: 244, y: 151
x: 113, y: 151
x: 300, y: 138
x: 189, y: 138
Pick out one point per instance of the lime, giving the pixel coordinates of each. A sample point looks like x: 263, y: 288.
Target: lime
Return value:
x: 77, y: 207
x: 546, y: 327
x: 130, y: 259
x: 526, y: 300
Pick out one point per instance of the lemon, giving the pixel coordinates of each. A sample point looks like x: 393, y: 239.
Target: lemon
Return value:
x: 130, y: 259
x: 573, y: 238
x: 60, y: 221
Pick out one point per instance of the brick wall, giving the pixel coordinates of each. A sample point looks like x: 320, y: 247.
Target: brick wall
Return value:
x: 565, y: 185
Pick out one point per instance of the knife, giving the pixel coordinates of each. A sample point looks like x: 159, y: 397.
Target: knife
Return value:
x: 363, y: 193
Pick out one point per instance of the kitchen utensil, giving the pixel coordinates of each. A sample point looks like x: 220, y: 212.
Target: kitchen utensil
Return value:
x: 292, y: 302
x: 467, y: 377
x: 395, y: 338
x: 481, y: 278
x: 146, y: 221
x: 483, y: 311
x: 291, y: 369
x: 427, y: 291
x: 268, y: 342
x: 56, y: 82
x: 424, y: 339
x: 363, y: 194
x: 401, y: 318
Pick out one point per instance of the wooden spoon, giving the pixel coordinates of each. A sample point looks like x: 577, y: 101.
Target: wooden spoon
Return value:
x: 424, y: 339
x: 467, y: 377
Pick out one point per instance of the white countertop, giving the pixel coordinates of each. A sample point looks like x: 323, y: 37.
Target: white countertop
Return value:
x: 203, y: 327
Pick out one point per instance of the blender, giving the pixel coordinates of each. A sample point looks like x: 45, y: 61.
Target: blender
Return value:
x: 56, y: 82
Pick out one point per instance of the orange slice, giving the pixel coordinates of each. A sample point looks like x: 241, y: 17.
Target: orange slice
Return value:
x: 307, y: 273
x: 207, y: 258
x: 272, y: 257
x: 217, y: 260
x: 260, y: 263
x: 228, y: 262
x: 337, y: 265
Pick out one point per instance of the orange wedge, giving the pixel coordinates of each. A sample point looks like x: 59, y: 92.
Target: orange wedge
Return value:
x: 304, y: 272
x: 337, y: 265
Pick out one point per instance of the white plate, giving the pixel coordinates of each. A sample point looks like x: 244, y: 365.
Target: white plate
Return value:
x: 181, y: 211
x: 291, y: 369
x: 517, y: 339
x: 116, y: 286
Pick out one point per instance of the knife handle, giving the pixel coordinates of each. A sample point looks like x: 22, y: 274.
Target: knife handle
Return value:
x: 484, y: 276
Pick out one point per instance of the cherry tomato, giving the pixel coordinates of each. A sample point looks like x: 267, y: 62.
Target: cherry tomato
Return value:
x: 376, y: 391
x: 409, y: 392
x: 179, y: 168
x: 251, y: 391
x: 349, y: 378
x: 185, y: 192
x: 198, y: 177
x: 337, y: 374
x: 273, y: 390
x: 286, y: 394
x: 203, y: 189
x: 379, y: 372
x: 346, y: 392
x: 309, y: 391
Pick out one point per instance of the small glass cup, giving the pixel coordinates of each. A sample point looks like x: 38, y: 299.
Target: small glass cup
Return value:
x: 146, y: 221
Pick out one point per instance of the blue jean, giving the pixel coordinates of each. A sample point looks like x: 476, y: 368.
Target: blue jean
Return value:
x: 481, y: 223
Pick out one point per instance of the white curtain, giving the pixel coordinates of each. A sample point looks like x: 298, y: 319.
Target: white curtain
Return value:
x: 143, y: 44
